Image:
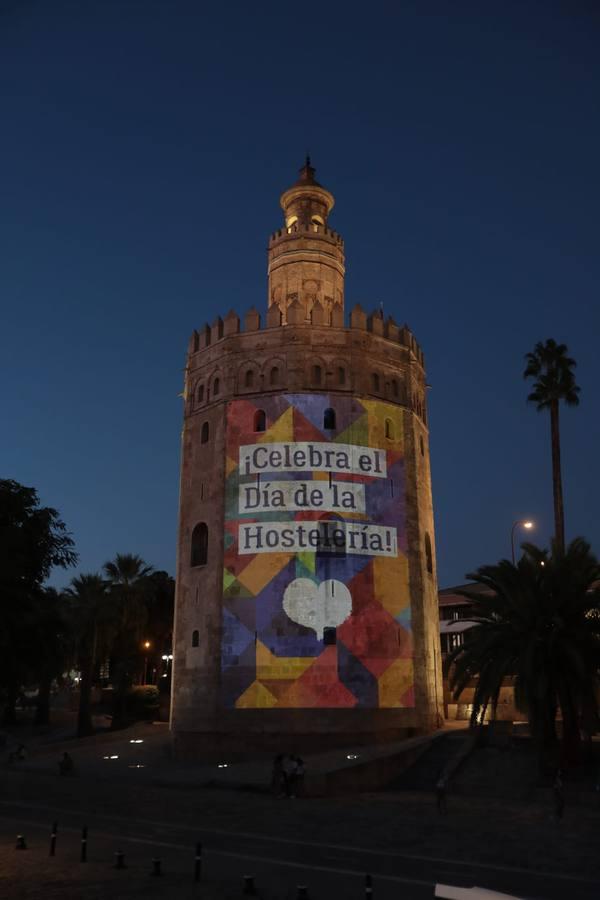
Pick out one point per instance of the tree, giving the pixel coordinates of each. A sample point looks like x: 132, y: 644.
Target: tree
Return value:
x: 93, y: 627
x: 554, y: 378
x: 33, y: 540
x: 127, y: 577
x: 538, y: 622
x: 48, y: 646
x: 161, y: 607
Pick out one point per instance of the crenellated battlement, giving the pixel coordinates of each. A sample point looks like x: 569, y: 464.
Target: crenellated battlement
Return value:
x: 308, y: 231
x: 359, y: 321
x: 371, y: 356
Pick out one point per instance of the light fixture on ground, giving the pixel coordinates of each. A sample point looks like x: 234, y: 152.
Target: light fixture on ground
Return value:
x: 523, y: 523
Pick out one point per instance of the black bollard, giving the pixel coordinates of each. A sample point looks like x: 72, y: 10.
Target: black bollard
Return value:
x: 120, y: 860
x: 198, y: 862
x: 156, y: 870
x: 21, y: 843
x: 83, y: 856
x: 302, y: 892
x: 368, y: 887
x: 249, y: 884
x: 53, y: 834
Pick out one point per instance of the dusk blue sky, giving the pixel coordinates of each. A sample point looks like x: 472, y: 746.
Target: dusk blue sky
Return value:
x: 143, y: 148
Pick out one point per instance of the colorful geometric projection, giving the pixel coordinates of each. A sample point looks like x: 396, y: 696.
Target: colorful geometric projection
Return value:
x: 316, y: 603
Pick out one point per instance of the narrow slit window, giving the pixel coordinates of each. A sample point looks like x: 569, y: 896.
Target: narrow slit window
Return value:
x: 274, y: 377
x: 199, y: 554
x: 341, y: 375
x: 216, y: 387
x: 329, y: 419
x: 316, y: 374
x: 204, y: 433
x: 200, y: 394
x: 260, y: 420
x: 249, y: 379
x: 195, y: 638
x: 375, y: 381
x: 389, y: 430
x: 428, y: 554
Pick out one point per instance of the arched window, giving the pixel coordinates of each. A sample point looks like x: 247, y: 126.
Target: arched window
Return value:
x: 216, y: 387
x: 260, y: 420
x: 329, y: 419
x: 274, y: 378
x: 199, y: 555
x: 389, y: 429
x: 249, y: 379
x: 316, y: 374
x: 428, y: 554
x: 375, y: 381
x: 195, y: 638
x: 394, y: 388
x: 204, y: 433
x: 341, y: 375
x: 200, y: 394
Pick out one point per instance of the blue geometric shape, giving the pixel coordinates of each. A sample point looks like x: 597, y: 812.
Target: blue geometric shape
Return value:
x: 357, y: 678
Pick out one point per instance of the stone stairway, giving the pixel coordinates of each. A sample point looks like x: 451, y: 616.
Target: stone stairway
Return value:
x: 426, y: 770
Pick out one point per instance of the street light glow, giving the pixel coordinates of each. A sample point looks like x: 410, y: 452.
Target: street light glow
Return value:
x: 527, y: 524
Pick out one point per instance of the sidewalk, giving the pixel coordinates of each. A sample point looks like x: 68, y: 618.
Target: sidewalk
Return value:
x: 143, y: 752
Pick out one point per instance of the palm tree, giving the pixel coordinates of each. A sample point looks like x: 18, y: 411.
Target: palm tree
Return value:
x: 93, y: 629
x: 554, y: 381
x: 540, y: 625
x: 127, y: 577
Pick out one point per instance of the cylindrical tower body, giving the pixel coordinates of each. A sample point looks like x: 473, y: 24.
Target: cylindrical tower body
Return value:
x: 306, y: 604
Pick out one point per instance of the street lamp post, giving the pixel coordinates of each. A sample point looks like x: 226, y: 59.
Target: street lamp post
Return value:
x: 146, y: 648
x: 524, y: 523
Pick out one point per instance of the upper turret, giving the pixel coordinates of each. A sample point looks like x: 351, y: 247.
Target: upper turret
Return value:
x: 306, y: 203
x: 306, y: 258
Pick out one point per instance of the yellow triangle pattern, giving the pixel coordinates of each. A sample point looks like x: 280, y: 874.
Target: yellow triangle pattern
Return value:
x: 281, y: 430
x: 390, y: 576
x: 378, y: 412
x: 279, y: 668
x: 263, y: 569
x: 394, y: 682
x: 256, y: 697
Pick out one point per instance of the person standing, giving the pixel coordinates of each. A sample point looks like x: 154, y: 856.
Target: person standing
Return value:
x: 290, y: 769
x: 440, y: 795
x: 559, y: 796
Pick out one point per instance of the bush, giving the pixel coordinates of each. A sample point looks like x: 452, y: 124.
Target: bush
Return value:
x: 143, y: 701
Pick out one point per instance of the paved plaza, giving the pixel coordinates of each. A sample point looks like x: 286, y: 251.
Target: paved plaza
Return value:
x: 511, y: 843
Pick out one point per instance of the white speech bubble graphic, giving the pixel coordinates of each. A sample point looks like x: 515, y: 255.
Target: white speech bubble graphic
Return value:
x: 317, y: 606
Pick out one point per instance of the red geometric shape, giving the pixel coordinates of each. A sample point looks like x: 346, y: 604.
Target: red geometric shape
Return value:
x: 319, y: 686
x: 305, y: 430
x: 362, y: 589
x: 375, y: 638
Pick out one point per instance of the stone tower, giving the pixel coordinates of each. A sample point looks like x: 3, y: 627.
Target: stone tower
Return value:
x: 306, y: 604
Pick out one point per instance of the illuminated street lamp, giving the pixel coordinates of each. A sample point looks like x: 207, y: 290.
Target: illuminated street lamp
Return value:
x: 524, y: 523
x: 168, y: 659
x: 146, y: 645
